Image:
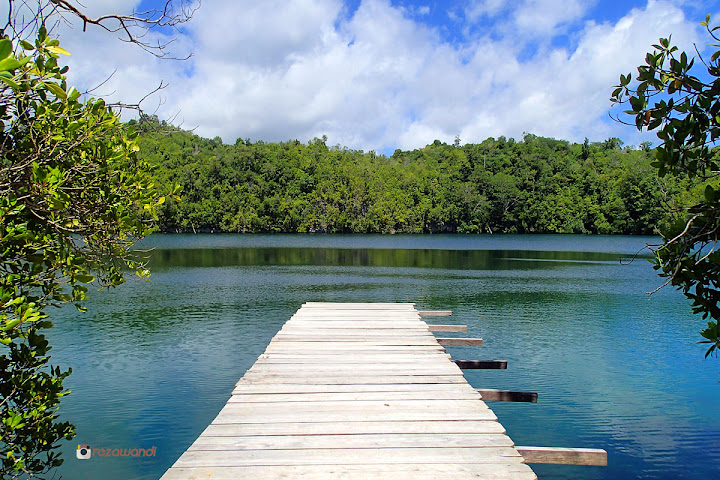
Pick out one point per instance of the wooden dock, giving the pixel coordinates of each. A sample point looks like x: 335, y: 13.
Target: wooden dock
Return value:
x: 353, y: 391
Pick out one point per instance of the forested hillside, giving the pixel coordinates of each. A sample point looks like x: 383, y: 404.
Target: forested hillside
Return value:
x: 501, y: 185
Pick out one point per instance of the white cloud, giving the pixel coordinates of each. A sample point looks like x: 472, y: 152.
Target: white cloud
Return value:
x: 565, y: 94
x: 478, y: 8
x: 381, y: 79
x: 545, y: 16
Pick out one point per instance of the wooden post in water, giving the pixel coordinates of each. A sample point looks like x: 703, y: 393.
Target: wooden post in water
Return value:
x: 447, y: 328
x: 565, y: 456
x: 460, y: 341
x: 507, y: 395
x: 482, y: 364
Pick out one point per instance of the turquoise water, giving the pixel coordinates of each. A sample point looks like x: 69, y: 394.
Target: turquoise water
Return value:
x: 154, y: 362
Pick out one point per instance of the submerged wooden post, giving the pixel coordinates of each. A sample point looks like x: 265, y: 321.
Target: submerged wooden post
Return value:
x: 491, y: 395
x: 482, y: 364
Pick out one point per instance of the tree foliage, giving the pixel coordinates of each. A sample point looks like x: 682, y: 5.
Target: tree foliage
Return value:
x: 680, y: 99
x: 74, y: 197
x: 537, y: 185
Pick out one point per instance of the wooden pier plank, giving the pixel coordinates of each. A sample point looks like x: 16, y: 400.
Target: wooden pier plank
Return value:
x: 349, y: 396
x: 235, y: 413
x: 357, y: 441
x: 419, y: 471
x: 361, y: 428
x: 354, y: 380
x: 242, y: 387
x: 349, y: 456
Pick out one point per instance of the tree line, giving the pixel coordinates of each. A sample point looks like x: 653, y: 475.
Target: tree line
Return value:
x: 535, y: 185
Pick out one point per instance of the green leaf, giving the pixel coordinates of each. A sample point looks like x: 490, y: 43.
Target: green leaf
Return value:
x: 10, y: 325
x: 9, y: 64
x: 5, y: 48
x: 84, y: 278
x: 709, y: 194
x: 10, y: 82
x: 57, y: 50
x: 56, y: 90
x: 73, y: 94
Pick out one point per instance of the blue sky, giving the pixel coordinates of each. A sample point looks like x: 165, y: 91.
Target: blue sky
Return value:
x: 386, y: 74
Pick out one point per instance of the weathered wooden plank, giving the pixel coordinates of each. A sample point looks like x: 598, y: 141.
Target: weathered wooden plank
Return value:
x: 482, y: 364
x: 352, y: 396
x: 470, y: 409
x: 353, y: 343
x: 383, y: 440
x: 356, y: 358
x: 435, y: 313
x: 335, y: 428
x: 460, y: 341
x: 352, y: 349
x: 362, y: 339
x: 379, y: 316
x: 357, y: 380
x: 447, y: 328
x: 343, y: 324
x: 420, y: 331
x: 567, y: 456
x: 331, y: 335
x: 323, y: 375
x: 449, y: 368
x: 507, y: 395
x: 355, y: 369
x: 363, y: 406
x: 368, y: 307
x: 395, y: 456
x: 346, y: 361
x: 420, y: 471
x: 242, y: 387
x: 237, y: 413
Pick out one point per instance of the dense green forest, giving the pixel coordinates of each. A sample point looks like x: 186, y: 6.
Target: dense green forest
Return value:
x: 536, y: 185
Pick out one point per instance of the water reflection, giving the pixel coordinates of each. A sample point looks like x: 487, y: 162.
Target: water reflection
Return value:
x: 365, y: 257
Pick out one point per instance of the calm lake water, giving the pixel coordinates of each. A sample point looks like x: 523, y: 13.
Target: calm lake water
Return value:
x: 153, y: 363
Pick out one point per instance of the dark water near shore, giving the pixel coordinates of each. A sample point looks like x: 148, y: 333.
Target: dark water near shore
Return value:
x: 154, y: 362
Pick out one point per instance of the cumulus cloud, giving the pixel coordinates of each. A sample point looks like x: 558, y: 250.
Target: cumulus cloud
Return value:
x: 382, y: 78
x: 478, y: 8
x: 543, y: 17
x: 564, y: 94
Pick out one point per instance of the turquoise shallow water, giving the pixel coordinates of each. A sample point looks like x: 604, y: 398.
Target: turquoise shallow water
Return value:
x: 154, y: 362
